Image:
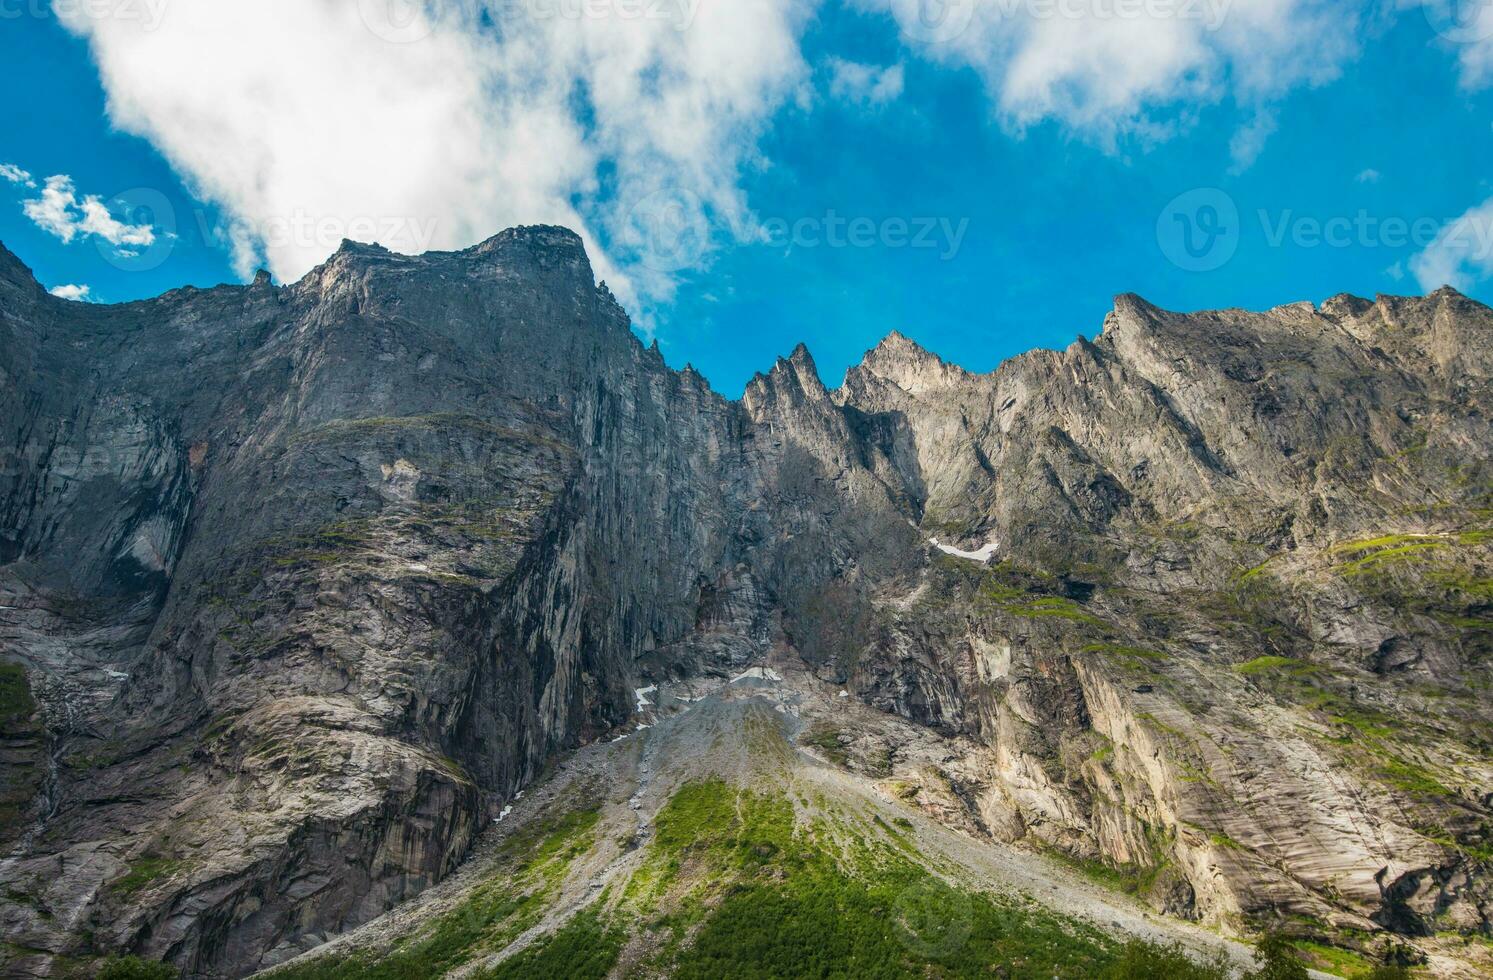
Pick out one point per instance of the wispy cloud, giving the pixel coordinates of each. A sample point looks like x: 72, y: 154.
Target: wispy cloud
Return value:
x: 1368, y: 176
x: 1467, y: 29
x: 77, y: 294
x: 436, y: 123
x: 14, y: 174
x: 61, y: 212
x: 1112, y: 71
x: 1249, y: 142
x: 1461, y: 254
x: 869, y: 85
x: 460, y: 117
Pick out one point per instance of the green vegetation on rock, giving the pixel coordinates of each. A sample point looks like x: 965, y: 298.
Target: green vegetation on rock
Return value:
x: 489, y: 917
x: 585, y: 948
x: 751, y: 890
x: 16, y: 704
x: 20, y: 727
x: 134, y: 968
x: 142, y: 872
x: 1272, y: 664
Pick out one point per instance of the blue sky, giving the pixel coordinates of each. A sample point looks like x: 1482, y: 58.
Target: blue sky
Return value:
x: 992, y: 213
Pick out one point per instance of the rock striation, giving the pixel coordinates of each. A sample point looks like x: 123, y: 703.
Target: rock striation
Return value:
x: 300, y: 585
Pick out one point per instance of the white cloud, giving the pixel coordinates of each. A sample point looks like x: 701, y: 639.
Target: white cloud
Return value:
x: 1467, y: 29
x: 1368, y: 176
x: 16, y: 175
x: 1249, y: 141
x: 55, y: 210
x: 1109, y: 70
x: 77, y: 294
x: 861, y: 84
x: 437, y: 123
x: 301, y: 119
x: 1461, y: 254
x: 59, y: 211
x: 1477, y: 59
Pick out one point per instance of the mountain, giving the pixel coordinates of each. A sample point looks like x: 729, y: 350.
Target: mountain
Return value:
x: 302, y: 586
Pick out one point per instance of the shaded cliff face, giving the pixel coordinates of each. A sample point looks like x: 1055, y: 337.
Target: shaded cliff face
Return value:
x: 305, y: 583
x: 305, y: 579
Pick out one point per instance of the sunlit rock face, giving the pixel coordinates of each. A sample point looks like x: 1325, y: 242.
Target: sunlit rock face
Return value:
x: 306, y: 582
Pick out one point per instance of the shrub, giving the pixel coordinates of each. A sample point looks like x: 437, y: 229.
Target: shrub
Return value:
x: 1140, y: 960
x: 1278, y: 959
x: 134, y: 968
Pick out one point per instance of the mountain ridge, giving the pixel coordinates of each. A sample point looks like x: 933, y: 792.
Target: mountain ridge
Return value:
x: 894, y: 344
x: 307, y: 582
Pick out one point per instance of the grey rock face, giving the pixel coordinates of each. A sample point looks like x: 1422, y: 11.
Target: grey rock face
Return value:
x: 306, y: 582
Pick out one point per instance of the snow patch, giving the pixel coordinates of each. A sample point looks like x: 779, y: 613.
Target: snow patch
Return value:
x: 506, y: 810
x: 983, y: 555
x: 642, y: 693
x: 843, y: 694
x: 759, y: 674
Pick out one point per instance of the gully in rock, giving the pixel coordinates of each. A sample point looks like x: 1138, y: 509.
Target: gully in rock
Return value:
x: 346, y: 605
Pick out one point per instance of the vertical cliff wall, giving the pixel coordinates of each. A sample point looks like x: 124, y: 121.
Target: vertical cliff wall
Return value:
x: 301, y: 584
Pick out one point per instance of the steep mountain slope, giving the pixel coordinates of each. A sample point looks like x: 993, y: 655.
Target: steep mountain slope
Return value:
x: 717, y: 837
x: 306, y: 583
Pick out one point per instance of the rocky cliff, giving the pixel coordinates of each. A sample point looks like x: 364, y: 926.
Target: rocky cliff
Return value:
x: 301, y: 585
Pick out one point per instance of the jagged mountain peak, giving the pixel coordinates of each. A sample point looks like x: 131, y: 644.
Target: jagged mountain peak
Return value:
x: 897, y: 347
x: 802, y: 361
x: 903, y: 362
x: 793, y: 377
x: 555, y: 237
x: 1346, y: 305
x: 12, y: 269
x: 349, y: 246
x: 896, y: 340
x: 349, y: 582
